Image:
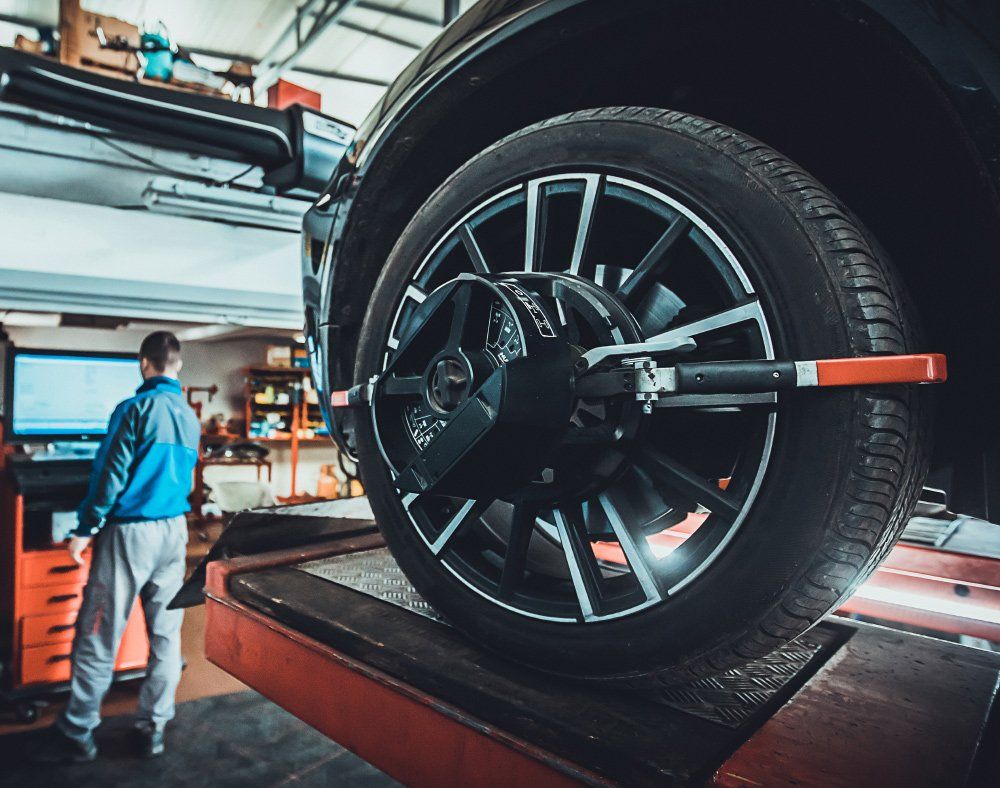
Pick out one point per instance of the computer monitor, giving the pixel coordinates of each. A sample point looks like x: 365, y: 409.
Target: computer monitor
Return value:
x: 59, y: 395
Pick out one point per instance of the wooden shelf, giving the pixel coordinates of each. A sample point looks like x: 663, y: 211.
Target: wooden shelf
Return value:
x: 278, y: 370
x: 293, y: 415
x: 321, y: 439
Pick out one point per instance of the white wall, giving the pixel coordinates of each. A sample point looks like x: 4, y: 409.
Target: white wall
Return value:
x: 175, y: 268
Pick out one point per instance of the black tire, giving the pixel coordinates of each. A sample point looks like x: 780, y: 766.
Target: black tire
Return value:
x: 846, y: 466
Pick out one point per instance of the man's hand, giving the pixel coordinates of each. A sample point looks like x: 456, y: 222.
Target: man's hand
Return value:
x: 77, y: 544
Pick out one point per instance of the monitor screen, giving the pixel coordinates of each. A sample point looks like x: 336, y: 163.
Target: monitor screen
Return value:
x: 67, y: 395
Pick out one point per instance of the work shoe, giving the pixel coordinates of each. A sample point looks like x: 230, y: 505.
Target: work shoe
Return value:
x: 149, y: 740
x: 56, y: 747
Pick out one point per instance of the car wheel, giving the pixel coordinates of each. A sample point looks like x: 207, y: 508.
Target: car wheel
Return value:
x: 708, y: 532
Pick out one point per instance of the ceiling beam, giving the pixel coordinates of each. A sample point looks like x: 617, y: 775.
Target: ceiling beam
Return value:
x: 401, y: 14
x: 292, y: 28
x: 315, y: 72
x: 451, y: 11
x: 318, y: 72
x: 272, y: 68
x: 379, y: 34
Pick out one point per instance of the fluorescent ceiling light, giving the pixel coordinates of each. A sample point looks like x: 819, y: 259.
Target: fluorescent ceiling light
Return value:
x: 198, y: 201
x: 197, y: 333
x: 30, y: 319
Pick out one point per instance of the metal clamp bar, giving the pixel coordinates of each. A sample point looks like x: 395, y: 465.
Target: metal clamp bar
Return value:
x: 871, y: 370
x: 642, y: 377
x: 355, y: 397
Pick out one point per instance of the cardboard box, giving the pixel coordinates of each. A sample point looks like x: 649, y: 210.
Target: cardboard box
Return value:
x: 80, y: 45
x: 329, y: 482
x: 279, y: 356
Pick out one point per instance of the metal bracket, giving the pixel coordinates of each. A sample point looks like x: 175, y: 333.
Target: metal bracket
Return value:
x: 596, y: 355
x: 651, y: 381
x: 653, y: 385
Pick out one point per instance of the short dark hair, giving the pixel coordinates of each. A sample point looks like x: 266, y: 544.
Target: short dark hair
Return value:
x: 161, y: 349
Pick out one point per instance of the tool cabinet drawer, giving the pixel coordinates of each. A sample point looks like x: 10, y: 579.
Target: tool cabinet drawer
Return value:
x: 48, y: 664
x: 51, y: 568
x: 42, y: 630
x: 50, y: 599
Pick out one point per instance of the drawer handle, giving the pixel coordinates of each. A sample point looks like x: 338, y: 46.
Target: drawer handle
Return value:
x: 58, y: 658
x: 63, y: 570
x: 62, y: 597
x: 60, y: 628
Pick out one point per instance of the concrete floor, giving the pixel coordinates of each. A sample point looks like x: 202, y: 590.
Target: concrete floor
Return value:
x: 201, y: 679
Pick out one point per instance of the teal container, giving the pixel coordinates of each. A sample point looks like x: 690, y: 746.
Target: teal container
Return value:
x: 159, y: 58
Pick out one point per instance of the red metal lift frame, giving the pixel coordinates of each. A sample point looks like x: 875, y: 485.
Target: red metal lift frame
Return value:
x: 433, y: 743
x: 422, y: 740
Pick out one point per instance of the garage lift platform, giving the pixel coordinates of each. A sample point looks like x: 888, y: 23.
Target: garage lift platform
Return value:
x: 305, y: 605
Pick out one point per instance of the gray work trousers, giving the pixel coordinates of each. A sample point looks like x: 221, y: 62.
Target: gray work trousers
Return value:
x: 144, y: 560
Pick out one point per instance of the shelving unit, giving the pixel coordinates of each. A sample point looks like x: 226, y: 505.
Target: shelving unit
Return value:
x: 281, y: 407
x: 289, y: 390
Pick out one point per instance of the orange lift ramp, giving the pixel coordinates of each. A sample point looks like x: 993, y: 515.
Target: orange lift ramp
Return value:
x: 310, y: 610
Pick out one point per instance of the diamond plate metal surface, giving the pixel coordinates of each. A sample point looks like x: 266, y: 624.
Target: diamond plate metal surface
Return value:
x: 729, y: 699
x: 372, y: 572
x: 733, y: 697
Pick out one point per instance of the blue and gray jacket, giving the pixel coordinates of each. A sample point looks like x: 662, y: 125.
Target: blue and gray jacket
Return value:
x: 143, y: 469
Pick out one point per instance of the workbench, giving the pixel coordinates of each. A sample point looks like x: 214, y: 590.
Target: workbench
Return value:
x: 329, y: 628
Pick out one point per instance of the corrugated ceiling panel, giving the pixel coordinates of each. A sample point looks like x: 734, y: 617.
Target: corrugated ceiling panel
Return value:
x: 358, y: 54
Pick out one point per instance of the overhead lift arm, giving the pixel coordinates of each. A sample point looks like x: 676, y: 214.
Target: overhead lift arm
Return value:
x: 296, y: 147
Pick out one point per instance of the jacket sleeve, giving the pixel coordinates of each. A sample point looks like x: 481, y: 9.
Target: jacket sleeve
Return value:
x: 111, y: 470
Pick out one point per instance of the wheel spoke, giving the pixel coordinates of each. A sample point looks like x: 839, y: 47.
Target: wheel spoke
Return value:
x: 727, y: 318
x: 516, y: 558
x: 580, y: 561
x: 415, y: 293
x: 637, y: 553
x: 651, y: 265
x: 405, y: 386
x: 531, y: 237
x: 472, y: 248
x: 591, y: 190
x: 459, y: 318
x: 671, y: 473
x: 468, y: 513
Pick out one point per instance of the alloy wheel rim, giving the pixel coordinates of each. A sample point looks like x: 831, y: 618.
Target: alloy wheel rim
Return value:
x: 675, y: 273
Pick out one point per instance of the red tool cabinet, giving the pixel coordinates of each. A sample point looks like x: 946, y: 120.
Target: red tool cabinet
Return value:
x: 41, y: 590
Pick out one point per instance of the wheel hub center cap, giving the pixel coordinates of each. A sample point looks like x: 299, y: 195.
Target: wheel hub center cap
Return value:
x: 479, y: 396
x: 449, y: 384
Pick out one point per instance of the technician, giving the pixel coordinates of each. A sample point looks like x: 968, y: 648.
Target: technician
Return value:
x: 134, y: 514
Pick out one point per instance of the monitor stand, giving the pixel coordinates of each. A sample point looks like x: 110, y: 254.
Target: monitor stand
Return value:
x: 75, y: 450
